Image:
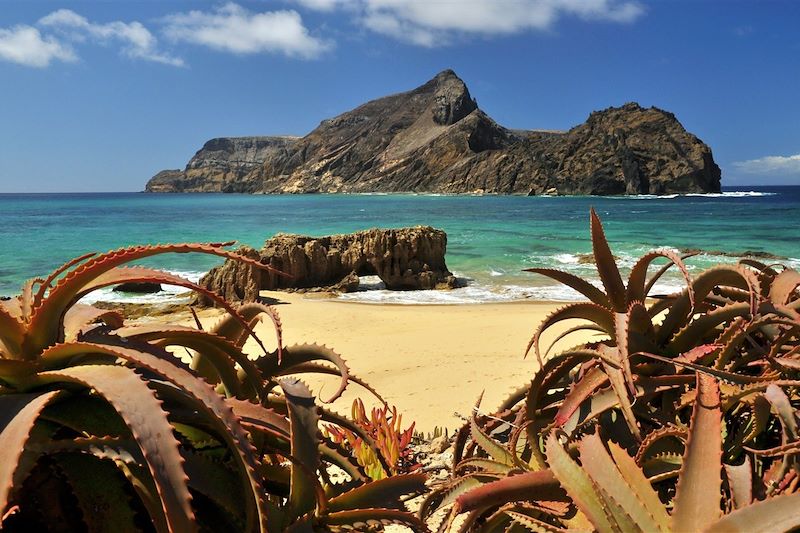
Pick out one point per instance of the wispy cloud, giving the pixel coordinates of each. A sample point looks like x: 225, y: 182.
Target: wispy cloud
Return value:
x: 431, y: 24
x: 231, y: 28
x: 26, y: 46
x: 137, y: 41
x: 771, y: 165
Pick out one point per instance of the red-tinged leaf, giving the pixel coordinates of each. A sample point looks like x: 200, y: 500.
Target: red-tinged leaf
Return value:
x: 615, y: 489
x: 362, y: 519
x: 18, y: 414
x: 698, y: 330
x: 722, y: 375
x: 620, y: 386
x: 203, y: 397
x: 784, y: 287
x: 579, y: 486
x: 578, y: 393
x: 607, y: 266
x: 740, y: 481
x: 45, y: 322
x: 48, y: 282
x: 586, y: 311
x: 638, y: 289
x: 773, y: 514
x: 383, y: 493
x: 497, y: 451
x: 79, y: 317
x: 635, y: 478
x: 218, y: 353
x: 591, y: 292
x: 12, y: 333
x: 679, y: 311
x: 537, y: 485
x: 783, y: 408
x: 232, y: 330
x: 699, y: 489
x: 305, y: 353
x: 142, y: 412
x: 258, y: 418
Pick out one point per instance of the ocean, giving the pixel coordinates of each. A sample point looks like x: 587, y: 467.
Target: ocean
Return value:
x: 490, y: 238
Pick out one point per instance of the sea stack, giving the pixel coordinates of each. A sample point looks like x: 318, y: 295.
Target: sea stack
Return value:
x: 436, y: 139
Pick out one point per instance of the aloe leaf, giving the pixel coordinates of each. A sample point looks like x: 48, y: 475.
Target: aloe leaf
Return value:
x: 740, y: 481
x: 699, y: 490
x: 79, y: 317
x: 17, y: 418
x: 496, y: 450
x: 641, y: 487
x: 220, y: 414
x: 583, y: 310
x: 606, y: 265
x: 591, y: 292
x: 535, y: 485
x: 215, y: 354
x: 574, y: 479
x: 578, y: 393
x: 99, y: 488
x: 148, y: 423
x: 698, y: 329
x: 303, y: 419
x: 778, y: 513
x: 783, y: 408
x: 783, y: 286
x: 638, y: 289
x: 12, y: 333
x: 305, y: 353
x: 383, y: 493
x: 45, y: 321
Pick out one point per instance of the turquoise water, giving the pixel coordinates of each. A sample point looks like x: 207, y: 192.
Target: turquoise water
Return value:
x: 490, y: 238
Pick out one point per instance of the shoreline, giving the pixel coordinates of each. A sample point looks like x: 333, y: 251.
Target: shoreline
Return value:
x: 431, y: 361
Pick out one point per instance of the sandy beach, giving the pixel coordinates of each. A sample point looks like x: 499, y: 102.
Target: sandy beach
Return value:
x: 431, y: 361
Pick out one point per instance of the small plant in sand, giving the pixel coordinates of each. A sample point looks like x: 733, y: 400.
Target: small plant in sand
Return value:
x: 385, y: 426
x: 104, y: 428
x: 681, y: 416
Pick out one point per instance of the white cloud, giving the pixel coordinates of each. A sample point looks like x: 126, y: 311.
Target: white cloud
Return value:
x: 432, y: 23
x: 232, y: 28
x: 138, y: 42
x: 26, y: 46
x: 771, y: 164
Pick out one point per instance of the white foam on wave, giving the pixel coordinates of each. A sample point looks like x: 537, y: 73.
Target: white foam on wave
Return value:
x: 727, y: 194
x: 475, y: 293
x: 169, y: 294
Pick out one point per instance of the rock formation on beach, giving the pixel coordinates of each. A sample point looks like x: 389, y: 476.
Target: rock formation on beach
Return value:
x: 435, y: 138
x: 404, y: 259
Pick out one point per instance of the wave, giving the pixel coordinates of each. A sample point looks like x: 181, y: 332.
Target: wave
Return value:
x: 727, y: 194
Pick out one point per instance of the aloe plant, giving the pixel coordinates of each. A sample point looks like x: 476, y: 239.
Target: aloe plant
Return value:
x: 681, y: 416
x: 104, y: 428
x: 385, y: 425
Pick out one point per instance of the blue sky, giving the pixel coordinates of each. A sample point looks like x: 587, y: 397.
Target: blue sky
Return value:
x: 98, y: 96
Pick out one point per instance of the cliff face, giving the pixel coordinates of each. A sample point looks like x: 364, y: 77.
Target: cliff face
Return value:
x: 220, y: 165
x: 436, y: 139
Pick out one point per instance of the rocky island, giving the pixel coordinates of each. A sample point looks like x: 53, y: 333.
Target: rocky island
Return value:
x: 436, y: 139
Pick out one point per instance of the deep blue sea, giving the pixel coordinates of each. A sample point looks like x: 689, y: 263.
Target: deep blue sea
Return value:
x: 490, y: 238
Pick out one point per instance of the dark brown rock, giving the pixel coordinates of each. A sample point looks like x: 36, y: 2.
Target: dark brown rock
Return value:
x: 404, y: 259
x: 436, y: 139
x: 138, y: 287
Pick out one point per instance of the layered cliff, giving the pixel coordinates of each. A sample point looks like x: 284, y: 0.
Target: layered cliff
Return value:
x: 436, y: 139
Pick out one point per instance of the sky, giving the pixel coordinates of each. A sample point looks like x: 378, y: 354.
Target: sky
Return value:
x: 99, y: 96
